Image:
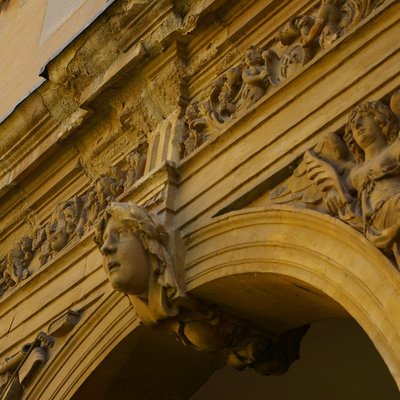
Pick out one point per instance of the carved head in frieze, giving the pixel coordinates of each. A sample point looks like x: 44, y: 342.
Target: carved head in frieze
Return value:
x: 137, y: 259
x: 253, y: 56
x: 56, y: 231
x: 370, y: 123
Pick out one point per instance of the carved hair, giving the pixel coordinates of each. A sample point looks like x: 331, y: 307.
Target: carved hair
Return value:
x: 386, y: 120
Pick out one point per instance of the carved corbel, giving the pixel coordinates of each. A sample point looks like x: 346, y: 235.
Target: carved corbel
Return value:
x: 143, y: 268
x: 144, y: 261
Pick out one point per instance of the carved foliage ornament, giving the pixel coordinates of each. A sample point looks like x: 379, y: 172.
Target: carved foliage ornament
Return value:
x: 355, y: 176
x: 70, y: 220
x: 141, y: 260
x: 242, y: 85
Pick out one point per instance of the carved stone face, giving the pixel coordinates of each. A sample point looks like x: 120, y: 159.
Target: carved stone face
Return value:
x: 58, y: 240
x: 125, y: 260
x: 253, y: 57
x: 366, y: 131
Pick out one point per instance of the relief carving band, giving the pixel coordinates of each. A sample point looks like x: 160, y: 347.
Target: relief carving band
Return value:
x: 141, y: 260
x: 297, y: 42
x: 357, y: 178
x: 69, y: 221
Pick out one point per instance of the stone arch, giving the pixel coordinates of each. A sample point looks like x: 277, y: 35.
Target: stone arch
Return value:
x: 312, y: 248
x: 109, y: 321
x: 102, y: 330
x: 303, y: 245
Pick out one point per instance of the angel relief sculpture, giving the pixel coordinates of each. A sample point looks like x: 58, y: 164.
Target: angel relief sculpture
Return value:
x: 356, y: 179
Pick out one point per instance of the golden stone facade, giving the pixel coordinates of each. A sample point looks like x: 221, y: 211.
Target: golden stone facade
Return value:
x: 219, y: 173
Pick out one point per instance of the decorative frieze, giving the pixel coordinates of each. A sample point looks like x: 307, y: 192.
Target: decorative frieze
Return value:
x: 70, y: 220
x: 262, y: 68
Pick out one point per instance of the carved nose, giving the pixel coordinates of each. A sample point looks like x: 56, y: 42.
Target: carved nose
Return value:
x: 107, y: 248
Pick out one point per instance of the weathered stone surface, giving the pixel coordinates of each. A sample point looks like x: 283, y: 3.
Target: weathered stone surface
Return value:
x: 193, y: 111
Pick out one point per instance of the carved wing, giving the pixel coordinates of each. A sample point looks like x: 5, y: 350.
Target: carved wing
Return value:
x: 298, y: 188
x: 318, y: 180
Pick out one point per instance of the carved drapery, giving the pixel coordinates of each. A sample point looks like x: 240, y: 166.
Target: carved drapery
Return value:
x: 242, y: 85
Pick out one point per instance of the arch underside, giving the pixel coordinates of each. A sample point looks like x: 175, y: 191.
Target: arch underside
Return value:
x: 280, y: 268
x: 285, y: 267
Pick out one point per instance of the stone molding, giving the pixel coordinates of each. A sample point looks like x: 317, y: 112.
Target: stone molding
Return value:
x: 338, y: 261
x: 38, y: 128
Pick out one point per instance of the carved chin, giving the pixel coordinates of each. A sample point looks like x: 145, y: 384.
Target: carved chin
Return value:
x: 121, y: 284
x: 59, y: 242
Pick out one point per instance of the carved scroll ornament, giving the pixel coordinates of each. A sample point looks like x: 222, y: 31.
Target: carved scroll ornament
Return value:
x: 141, y: 260
x: 242, y: 85
x: 70, y: 220
x: 355, y: 178
x: 18, y: 371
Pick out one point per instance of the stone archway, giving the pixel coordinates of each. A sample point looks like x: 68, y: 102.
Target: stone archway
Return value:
x: 109, y: 321
x: 275, y: 255
x: 93, y: 361
x: 301, y: 249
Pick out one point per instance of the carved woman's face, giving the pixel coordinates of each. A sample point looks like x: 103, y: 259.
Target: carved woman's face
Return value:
x: 125, y: 260
x: 366, y: 131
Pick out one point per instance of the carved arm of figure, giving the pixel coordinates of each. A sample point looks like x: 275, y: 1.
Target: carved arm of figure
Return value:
x: 327, y: 19
x: 142, y: 260
x: 255, y: 75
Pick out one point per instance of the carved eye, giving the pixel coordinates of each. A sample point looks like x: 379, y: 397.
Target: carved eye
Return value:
x: 123, y: 232
x: 358, y: 121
